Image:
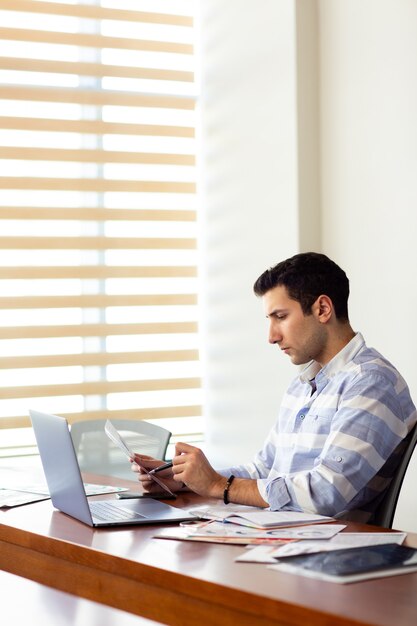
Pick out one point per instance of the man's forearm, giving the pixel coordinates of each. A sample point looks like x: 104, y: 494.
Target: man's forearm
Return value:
x: 241, y: 491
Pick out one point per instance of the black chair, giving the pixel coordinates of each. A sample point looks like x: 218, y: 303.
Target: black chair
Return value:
x: 384, y: 514
x: 96, y: 453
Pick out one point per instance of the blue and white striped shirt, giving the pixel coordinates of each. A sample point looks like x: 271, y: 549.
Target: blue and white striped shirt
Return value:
x: 337, y: 427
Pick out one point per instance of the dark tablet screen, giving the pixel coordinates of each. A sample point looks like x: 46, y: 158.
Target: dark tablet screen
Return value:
x: 356, y: 560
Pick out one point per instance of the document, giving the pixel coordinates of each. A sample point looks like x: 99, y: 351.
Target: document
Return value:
x: 255, y: 517
x: 248, y: 536
x: 221, y: 532
x: 179, y: 535
x: 353, y: 564
x: 36, y: 492
x: 270, y: 554
x: 113, y: 434
x: 12, y: 497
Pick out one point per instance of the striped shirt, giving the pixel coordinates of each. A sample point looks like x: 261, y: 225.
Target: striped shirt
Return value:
x: 334, y: 447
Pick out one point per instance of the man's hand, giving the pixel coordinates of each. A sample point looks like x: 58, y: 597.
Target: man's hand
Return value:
x: 191, y: 467
x: 142, y: 462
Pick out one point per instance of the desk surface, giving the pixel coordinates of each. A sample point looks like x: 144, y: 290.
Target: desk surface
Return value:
x: 24, y: 601
x: 178, y: 582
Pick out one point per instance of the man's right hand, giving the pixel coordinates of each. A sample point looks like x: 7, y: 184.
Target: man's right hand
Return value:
x: 141, y: 462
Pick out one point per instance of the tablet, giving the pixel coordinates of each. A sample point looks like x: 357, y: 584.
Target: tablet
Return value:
x: 356, y: 560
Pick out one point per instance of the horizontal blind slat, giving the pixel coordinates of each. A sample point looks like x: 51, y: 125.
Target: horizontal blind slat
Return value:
x: 96, y: 97
x: 94, y: 156
x: 93, y: 69
x: 95, y: 184
x: 96, y: 330
x: 22, y: 421
x: 97, y: 358
x: 93, y: 41
x: 95, y: 243
x: 97, y: 272
x: 96, y: 301
x: 96, y: 214
x: 99, y: 388
x: 95, y: 12
x: 95, y: 127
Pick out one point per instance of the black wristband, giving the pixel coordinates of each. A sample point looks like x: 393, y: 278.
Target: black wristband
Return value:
x: 226, y: 489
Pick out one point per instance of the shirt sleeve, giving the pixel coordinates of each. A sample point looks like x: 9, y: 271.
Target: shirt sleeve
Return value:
x: 366, y: 428
x: 363, y: 432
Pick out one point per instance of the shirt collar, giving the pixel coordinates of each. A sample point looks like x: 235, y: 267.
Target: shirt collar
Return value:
x: 337, y: 363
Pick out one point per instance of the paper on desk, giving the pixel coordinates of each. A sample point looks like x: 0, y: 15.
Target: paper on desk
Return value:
x: 36, y: 492
x: 94, y: 490
x: 268, y: 554
x: 221, y: 532
x: 256, y: 517
x: 244, y: 539
x: 117, y: 439
x: 224, y: 529
x: 11, y: 497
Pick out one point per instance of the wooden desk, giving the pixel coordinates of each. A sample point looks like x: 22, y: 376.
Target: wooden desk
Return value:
x: 179, y: 583
x: 24, y: 601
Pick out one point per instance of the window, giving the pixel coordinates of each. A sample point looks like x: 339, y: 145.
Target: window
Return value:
x: 98, y: 214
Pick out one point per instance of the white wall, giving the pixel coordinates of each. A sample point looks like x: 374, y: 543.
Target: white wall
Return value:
x: 249, y: 206
x: 368, y: 66
x: 306, y: 103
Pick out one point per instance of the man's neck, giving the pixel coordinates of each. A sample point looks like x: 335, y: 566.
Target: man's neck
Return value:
x: 339, y: 336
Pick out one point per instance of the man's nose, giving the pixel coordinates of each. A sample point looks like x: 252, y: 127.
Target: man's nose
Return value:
x: 274, y: 335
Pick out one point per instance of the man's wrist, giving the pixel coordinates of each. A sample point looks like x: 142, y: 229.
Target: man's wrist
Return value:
x: 218, y: 487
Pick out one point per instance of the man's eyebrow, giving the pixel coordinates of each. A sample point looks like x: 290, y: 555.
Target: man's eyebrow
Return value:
x: 275, y: 311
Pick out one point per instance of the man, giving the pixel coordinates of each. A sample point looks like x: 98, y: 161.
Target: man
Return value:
x: 342, y: 423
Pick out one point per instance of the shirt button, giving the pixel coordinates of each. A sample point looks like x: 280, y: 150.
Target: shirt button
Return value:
x: 339, y: 459
x: 302, y: 417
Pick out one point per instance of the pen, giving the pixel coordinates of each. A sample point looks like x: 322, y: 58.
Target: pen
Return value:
x: 161, y: 467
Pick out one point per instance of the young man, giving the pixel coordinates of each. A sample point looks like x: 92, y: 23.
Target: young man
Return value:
x: 342, y: 423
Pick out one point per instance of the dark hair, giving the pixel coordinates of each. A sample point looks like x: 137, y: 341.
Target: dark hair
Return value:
x: 306, y: 276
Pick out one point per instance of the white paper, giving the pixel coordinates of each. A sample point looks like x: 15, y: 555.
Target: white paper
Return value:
x: 117, y: 439
x: 11, y: 497
x: 258, y: 554
x: 256, y: 517
x: 314, y: 531
x: 270, y: 554
x: 225, y: 529
x: 344, y: 540
x: 34, y: 493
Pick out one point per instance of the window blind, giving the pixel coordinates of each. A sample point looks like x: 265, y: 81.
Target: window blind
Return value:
x: 98, y: 212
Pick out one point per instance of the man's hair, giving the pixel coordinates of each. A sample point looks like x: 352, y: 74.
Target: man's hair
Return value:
x: 307, y: 276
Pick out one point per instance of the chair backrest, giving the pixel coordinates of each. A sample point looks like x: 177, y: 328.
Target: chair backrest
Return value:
x: 384, y: 514
x: 96, y: 453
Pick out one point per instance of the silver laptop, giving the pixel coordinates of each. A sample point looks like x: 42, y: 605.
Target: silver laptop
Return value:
x: 66, y: 487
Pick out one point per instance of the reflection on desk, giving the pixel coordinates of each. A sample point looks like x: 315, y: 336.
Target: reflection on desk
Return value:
x: 25, y: 601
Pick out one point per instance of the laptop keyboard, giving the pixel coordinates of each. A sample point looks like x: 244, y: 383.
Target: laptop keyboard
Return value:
x: 108, y: 512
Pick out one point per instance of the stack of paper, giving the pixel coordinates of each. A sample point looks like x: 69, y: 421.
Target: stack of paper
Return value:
x: 220, y: 532
x: 273, y: 554
x: 255, y: 517
x: 248, y: 525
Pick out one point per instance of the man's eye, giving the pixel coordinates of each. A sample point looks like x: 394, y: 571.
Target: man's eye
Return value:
x: 280, y: 317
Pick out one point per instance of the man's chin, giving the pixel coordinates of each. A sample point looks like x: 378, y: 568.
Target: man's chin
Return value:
x: 297, y: 360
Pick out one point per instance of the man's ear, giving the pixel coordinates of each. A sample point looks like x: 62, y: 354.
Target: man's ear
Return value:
x: 323, y: 309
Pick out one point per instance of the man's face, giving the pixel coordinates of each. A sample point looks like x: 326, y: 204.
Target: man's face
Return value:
x: 302, y: 337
